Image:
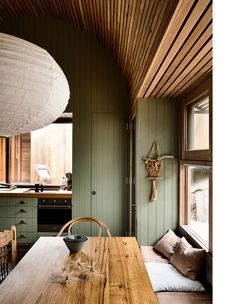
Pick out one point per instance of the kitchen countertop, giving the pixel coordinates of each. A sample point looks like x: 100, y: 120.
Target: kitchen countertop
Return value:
x: 28, y: 192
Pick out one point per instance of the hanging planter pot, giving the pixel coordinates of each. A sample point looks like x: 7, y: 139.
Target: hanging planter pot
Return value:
x: 154, y: 167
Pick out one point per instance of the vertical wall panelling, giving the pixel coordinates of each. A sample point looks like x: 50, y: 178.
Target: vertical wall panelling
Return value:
x: 108, y: 201
x: 156, y: 119
x: 96, y: 86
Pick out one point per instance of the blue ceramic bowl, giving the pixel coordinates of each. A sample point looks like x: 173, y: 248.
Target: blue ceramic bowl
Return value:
x: 75, y: 242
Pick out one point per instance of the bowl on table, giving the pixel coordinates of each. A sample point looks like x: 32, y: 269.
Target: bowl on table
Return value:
x: 75, y: 242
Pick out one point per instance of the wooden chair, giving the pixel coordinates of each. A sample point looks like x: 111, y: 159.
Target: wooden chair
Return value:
x: 7, y: 237
x: 76, y: 220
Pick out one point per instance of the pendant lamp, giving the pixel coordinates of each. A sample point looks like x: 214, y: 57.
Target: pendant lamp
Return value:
x: 33, y: 88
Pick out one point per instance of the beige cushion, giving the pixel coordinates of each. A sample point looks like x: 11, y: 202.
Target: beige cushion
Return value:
x: 150, y: 255
x: 167, y: 244
x: 188, y: 260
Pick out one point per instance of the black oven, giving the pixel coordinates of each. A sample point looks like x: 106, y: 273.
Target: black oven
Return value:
x: 53, y: 213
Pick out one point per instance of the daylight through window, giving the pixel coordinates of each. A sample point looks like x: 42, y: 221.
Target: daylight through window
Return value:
x: 42, y: 156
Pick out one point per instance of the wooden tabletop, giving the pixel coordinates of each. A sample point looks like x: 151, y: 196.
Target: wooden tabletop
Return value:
x: 49, y: 274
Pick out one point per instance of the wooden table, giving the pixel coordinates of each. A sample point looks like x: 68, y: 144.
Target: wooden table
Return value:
x: 120, y: 275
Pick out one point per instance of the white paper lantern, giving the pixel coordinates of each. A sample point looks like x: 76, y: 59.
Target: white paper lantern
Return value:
x: 33, y: 89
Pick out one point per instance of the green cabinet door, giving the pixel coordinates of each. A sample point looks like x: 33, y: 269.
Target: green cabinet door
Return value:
x: 109, y: 170
x: 22, y: 212
x: 2, y: 214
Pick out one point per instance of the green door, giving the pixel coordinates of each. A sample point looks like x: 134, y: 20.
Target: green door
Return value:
x: 109, y: 170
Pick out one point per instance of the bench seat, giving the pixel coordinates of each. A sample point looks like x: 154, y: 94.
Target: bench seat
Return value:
x: 180, y: 297
x: 151, y: 256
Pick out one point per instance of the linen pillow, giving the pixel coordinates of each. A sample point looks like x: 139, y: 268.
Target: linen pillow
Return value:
x: 167, y: 244
x: 188, y: 260
x: 164, y: 277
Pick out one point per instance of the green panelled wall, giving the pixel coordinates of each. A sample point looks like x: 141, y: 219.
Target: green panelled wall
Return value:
x: 156, y: 119
x: 96, y: 87
x: 108, y: 156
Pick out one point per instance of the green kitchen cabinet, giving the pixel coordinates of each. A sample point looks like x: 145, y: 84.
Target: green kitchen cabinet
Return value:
x: 21, y: 212
x: 2, y: 214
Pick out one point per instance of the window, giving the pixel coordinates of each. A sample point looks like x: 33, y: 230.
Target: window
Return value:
x: 198, y: 200
x: 198, y: 125
x: 42, y: 156
x: 196, y: 166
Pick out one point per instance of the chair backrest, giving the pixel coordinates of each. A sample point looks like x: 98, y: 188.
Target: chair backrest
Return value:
x: 76, y: 220
x: 7, y: 237
x: 43, y: 172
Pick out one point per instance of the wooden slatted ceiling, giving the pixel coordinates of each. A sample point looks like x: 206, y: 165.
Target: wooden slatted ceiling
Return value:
x: 162, y: 46
x: 184, y: 54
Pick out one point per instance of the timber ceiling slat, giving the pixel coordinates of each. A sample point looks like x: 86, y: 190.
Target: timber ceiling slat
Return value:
x: 130, y: 25
x: 201, y: 73
x: 154, y: 11
x: 155, y: 42
x: 142, y: 50
x: 193, y: 63
x: 102, y: 20
x: 29, y: 7
x: 182, y: 36
x: 57, y: 8
x: 114, y: 32
x: 117, y: 22
x: 198, y: 37
x: 40, y: 8
x: 112, y: 26
x: 16, y: 6
x: 120, y: 28
x: 143, y: 30
x: 196, y: 69
x: 121, y: 18
x: 71, y: 12
x: 92, y: 19
x: 145, y: 25
x: 6, y: 12
x: 86, y: 16
x: 81, y: 11
x: 196, y: 83
x: 76, y: 13
x: 108, y: 37
x: 174, y: 26
x: 136, y: 31
x: 34, y: 9
x: 187, y: 59
x: 49, y: 11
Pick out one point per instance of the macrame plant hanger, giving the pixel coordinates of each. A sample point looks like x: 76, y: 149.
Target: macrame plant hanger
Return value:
x: 154, y: 167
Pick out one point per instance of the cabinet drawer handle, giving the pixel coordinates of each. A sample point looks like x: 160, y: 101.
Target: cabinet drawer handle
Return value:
x: 22, y: 211
x: 22, y: 236
x: 22, y: 202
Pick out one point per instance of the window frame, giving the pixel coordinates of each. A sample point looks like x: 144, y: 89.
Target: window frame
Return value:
x: 194, y: 157
x: 203, y: 90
